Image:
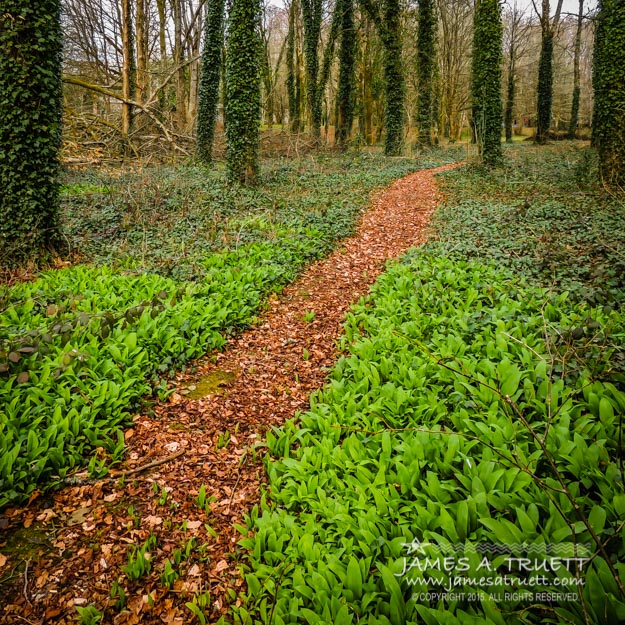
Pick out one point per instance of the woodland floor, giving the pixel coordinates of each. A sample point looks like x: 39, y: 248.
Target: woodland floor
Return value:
x: 194, y: 468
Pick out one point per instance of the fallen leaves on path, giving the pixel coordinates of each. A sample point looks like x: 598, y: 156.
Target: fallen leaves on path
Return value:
x: 191, y: 470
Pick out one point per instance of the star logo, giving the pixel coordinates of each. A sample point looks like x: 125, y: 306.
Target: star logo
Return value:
x: 416, y: 546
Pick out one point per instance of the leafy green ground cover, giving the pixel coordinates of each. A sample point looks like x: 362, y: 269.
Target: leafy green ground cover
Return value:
x: 180, y: 260
x: 544, y: 216
x: 167, y: 220
x: 471, y: 408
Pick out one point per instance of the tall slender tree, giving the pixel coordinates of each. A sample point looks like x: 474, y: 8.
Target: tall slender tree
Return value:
x: 293, y: 81
x: 486, y: 79
x: 426, y: 68
x: 386, y: 16
x: 609, y: 84
x: 548, y: 27
x: 576, y: 73
x: 30, y: 129
x: 129, y: 68
x: 243, y: 91
x: 394, y: 78
x: 347, y: 62
x: 143, y: 49
x: 515, y: 37
x: 312, y: 13
x: 209, y: 79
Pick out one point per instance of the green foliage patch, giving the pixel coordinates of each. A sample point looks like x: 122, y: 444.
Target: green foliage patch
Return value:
x: 447, y: 421
x: 80, y: 347
x: 542, y: 216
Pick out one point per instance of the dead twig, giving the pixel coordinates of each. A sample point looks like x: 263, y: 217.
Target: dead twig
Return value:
x: 25, y: 591
x: 149, y: 465
x: 82, y: 479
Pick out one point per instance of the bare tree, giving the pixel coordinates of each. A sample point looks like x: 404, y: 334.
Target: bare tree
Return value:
x: 129, y: 67
x: 456, y: 32
x: 516, y: 27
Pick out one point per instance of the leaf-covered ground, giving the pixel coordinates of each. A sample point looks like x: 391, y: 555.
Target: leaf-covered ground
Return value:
x: 180, y: 261
x: 472, y: 409
x: 151, y: 542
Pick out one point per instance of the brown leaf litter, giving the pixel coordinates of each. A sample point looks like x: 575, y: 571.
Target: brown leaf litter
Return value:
x: 191, y: 471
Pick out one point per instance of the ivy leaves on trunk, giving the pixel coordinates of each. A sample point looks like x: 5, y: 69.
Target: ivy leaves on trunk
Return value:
x: 30, y: 129
x: 609, y: 84
x: 209, y: 79
x: 243, y: 108
x: 486, y: 80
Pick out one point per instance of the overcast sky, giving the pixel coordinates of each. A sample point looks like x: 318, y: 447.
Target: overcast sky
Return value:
x: 569, y: 6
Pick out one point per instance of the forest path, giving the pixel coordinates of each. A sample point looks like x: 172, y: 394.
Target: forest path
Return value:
x: 192, y: 463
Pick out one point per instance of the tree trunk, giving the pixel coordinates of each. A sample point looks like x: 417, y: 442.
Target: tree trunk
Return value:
x: 30, y: 130
x: 312, y: 13
x: 394, y: 80
x: 548, y: 27
x: 609, y: 83
x: 387, y: 22
x: 510, y: 93
x: 545, y: 88
x: 243, y: 92
x: 293, y: 75
x: 576, y: 74
x: 142, y: 51
x: 267, y: 80
x: 162, y: 42
x: 209, y: 79
x: 426, y: 63
x: 347, y: 56
x: 128, y: 68
x: 181, y: 100
x: 486, y: 80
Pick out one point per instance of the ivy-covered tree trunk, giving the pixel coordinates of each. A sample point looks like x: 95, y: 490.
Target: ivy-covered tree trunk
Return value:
x: 30, y: 130
x: 545, y: 88
x: 609, y: 84
x: 243, y: 92
x: 426, y: 70
x: 209, y: 79
x: 576, y: 73
x: 347, y: 62
x: 486, y: 79
x: 386, y: 16
x: 548, y: 28
x: 293, y: 81
x: 312, y: 13
x: 393, y: 79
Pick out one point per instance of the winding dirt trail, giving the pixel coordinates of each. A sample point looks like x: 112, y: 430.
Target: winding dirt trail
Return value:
x: 198, y: 453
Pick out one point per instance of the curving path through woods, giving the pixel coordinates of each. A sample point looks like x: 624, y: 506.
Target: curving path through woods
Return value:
x: 191, y: 470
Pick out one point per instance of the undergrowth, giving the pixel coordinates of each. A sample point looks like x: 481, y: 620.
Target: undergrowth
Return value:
x: 180, y: 260
x: 447, y: 447
x: 543, y: 215
x: 168, y: 219
x: 469, y: 440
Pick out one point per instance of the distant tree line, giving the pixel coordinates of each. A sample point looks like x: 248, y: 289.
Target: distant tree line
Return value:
x: 165, y: 72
